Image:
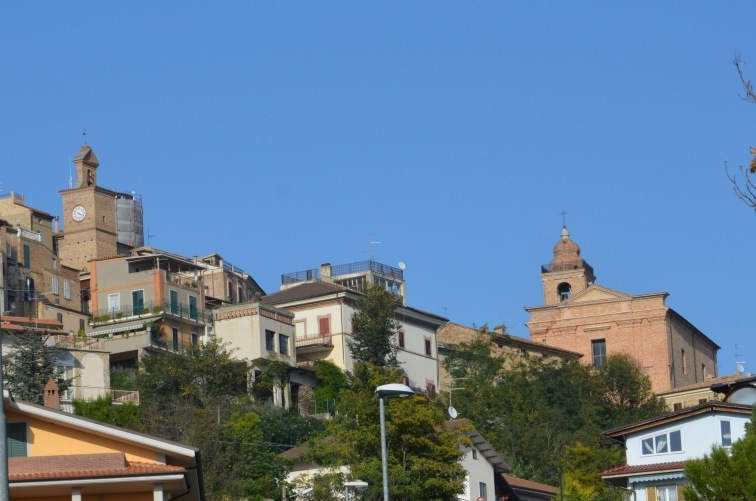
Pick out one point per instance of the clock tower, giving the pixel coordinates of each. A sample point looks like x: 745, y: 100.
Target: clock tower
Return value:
x: 89, y: 216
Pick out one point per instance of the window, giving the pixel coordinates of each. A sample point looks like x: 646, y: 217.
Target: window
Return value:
x: 703, y: 371
x: 300, y: 330
x: 430, y: 388
x: 428, y: 346
x: 174, y: 302
x: 474, y: 453
x: 564, y: 290
x: 324, y: 324
x: 666, y: 493
x: 684, y: 362
x: 16, y: 433
x: 59, y: 317
x: 114, y: 302
x: 702, y: 400
x: 400, y: 339
x: 662, y: 443
x: 54, y: 264
x: 483, y: 491
x: 175, y: 339
x: 677, y: 406
x: 270, y: 340
x: 55, y: 285
x: 193, y: 308
x: 599, y: 352
x: 726, y: 433
x: 195, y: 338
x: 27, y: 257
x: 283, y: 344
x: 137, y: 302
x: 64, y: 367
x: 81, y: 324
x: 67, y: 289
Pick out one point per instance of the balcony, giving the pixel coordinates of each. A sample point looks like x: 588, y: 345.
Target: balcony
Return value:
x: 310, y: 344
x: 345, y: 269
x: 149, y: 310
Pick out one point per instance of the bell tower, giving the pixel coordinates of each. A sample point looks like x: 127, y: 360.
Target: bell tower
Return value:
x: 567, y: 273
x: 89, y: 216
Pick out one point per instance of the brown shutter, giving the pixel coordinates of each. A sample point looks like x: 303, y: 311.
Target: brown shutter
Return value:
x: 325, y: 325
x: 651, y: 494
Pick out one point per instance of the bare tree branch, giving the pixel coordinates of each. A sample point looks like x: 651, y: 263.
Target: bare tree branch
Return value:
x: 750, y: 95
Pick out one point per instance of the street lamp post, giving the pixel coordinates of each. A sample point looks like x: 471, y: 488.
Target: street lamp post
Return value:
x: 388, y: 391
x: 4, y: 485
x: 357, y: 484
x: 561, y: 484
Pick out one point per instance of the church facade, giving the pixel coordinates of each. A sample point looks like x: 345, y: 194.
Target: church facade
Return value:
x: 581, y: 316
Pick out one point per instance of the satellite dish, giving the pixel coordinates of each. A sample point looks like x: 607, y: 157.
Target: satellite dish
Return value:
x: 402, y: 266
x: 453, y: 412
x: 740, y: 369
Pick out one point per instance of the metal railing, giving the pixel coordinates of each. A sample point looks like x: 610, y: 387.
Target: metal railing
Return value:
x: 322, y: 339
x: 151, y: 308
x: 344, y: 269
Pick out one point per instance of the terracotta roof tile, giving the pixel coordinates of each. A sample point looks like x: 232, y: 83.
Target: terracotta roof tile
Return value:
x: 82, y: 466
x: 643, y: 468
x: 304, y: 290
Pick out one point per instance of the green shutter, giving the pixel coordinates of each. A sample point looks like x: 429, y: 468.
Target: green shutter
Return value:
x: 27, y: 257
x: 16, y: 440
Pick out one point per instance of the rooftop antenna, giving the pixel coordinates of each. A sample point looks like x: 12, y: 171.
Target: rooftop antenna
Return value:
x: 564, y: 219
x: 149, y: 235
x: 739, y: 364
x: 371, y: 242
x: 452, y: 411
x: 445, y: 308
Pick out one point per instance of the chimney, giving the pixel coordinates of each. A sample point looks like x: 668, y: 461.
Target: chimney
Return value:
x: 325, y: 271
x: 500, y: 330
x: 52, y: 394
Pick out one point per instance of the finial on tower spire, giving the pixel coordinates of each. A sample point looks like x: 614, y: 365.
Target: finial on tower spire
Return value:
x: 85, y: 135
x: 564, y: 220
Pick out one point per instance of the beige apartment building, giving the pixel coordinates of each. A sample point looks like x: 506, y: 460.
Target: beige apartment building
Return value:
x: 581, y: 316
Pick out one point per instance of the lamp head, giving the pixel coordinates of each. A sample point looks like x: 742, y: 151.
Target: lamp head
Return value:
x: 394, y: 390
x: 357, y: 484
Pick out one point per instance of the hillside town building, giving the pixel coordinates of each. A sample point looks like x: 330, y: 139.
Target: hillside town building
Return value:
x: 581, y: 316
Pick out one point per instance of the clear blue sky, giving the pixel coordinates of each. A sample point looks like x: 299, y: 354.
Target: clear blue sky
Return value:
x: 285, y: 134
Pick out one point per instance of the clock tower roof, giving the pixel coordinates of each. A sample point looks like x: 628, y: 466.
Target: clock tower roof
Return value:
x: 87, y: 156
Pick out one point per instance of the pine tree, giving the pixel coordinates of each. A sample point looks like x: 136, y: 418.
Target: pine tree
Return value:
x: 374, y: 327
x: 29, y: 366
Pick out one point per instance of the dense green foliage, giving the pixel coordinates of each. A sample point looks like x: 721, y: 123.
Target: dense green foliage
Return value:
x: 331, y: 380
x: 546, y: 416
x: 30, y: 365
x: 125, y: 415
x: 423, y: 454
x: 374, y: 327
x: 724, y: 476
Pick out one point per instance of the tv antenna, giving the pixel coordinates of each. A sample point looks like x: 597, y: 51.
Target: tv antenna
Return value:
x: 452, y: 411
x: 371, y: 242
x: 149, y: 235
x: 739, y: 364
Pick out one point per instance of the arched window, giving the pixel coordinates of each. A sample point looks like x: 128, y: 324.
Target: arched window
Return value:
x: 564, y: 291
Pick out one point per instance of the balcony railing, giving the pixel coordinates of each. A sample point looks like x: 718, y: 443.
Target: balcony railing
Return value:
x: 320, y: 339
x: 152, y: 308
x: 345, y: 269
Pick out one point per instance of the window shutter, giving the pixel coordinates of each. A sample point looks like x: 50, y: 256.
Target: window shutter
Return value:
x: 16, y: 440
x: 650, y: 493
x: 680, y: 495
x: 325, y: 325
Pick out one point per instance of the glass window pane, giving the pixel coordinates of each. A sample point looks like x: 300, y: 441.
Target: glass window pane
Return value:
x: 661, y: 443
x: 675, y: 441
x: 648, y: 446
x: 726, y: 434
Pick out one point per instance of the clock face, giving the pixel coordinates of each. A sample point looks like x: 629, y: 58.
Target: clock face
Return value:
x: 78, y: 213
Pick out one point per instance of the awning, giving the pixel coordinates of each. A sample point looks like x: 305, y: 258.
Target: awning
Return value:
x: 114, y: 328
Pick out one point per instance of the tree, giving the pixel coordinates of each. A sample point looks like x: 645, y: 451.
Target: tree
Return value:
x: 30, y: 365
x: 724, y: 476
x: 203, y: 375
x: 423, y: 455
x: 745, y: 189
x: 102, y: 409
x: 374, y: 327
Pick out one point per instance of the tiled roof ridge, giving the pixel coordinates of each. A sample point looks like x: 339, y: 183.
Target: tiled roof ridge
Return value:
x: 641, y: 468
x: 131, y: 468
